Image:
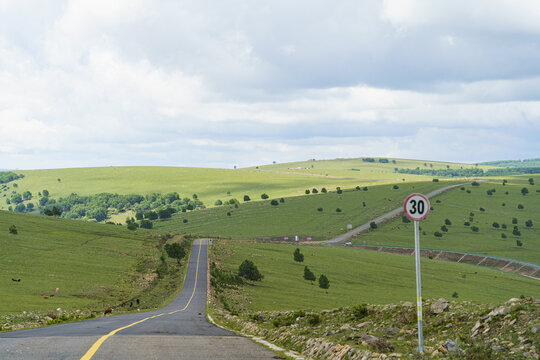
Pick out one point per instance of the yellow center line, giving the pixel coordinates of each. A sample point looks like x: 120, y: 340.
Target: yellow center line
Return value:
x: 91, y: 352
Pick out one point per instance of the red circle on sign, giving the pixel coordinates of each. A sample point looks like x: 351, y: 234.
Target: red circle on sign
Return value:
x: 413, y: 213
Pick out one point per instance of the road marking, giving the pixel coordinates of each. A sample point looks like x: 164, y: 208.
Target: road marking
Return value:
x: 91, y: 352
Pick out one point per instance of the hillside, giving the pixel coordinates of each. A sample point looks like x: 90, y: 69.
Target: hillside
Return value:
x: 77, y: 265
x: 494, y: 215
x: 514, y: 163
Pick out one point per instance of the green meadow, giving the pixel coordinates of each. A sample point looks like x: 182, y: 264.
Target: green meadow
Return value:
x: 357, y: 276
x: 371, y: 172
x: 489, y: 213
x: 297, y: 215
x: 94, y: 266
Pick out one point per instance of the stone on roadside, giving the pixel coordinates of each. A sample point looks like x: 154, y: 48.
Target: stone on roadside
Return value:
x: 439, y: 306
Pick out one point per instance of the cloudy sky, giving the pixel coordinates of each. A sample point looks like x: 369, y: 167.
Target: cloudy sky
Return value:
x: 223, y: 83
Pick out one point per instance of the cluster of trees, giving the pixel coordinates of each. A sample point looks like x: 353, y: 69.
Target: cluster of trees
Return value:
x: 471, y: 172
x: 381, y: 160
x: 98, y: 206
x: 7, y: 176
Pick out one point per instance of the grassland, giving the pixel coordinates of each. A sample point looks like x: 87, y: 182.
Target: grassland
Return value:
x: 370, y: 172
x: 458, y: 205
x: 297, y: 215
x: 94, y: 266
x: 356, y: 277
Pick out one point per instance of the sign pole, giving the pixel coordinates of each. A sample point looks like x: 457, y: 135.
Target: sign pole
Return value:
x: 420, y: 348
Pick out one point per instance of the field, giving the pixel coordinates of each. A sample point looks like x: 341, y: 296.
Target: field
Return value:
x: 369, y: 171
x: 297, y: 215
x: 357, y: 277
x: 94, y: 266
x: 458, y: 205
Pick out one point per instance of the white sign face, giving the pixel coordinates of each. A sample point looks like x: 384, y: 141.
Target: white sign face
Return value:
x: 416, y: 207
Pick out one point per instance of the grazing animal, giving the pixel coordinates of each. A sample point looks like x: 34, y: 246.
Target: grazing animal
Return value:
x: 57, y: 289
x: 138, y: 302
x: 123, y: 304
x: 131, y: 304
x: 108, y: 311
x: 16, y: 280
x: 52, y: 295
x: 45, y: 297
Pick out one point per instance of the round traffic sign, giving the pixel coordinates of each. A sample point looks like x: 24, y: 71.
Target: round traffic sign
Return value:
x: 416, y: 207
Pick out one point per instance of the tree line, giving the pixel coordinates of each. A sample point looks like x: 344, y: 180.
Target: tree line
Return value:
x: 471, y: 172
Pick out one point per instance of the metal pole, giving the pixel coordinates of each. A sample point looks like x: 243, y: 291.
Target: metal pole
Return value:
x: 420, y: 348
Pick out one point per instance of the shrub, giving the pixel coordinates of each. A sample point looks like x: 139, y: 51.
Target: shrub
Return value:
x: 309, y: 275
x: 185, y: 221
x: 489, y: 192
x: 482, y: 209
x: 395, y: 187
x: 314, y: 319
x: 468, y: 191
x: 524, y: 191
x: 357, y: 188
x: 324, y: 283
x: 503, y: 235
x: 514, y: 221
x: 132, y: 226
x: 474, y: 183
x: 455, y: 294
x: 528, y: 223
x: 435, y: 180
x: 264, y: 196
x: 475, y: 228
x: 249, y: 271
x: 360, y: 311
x: 466, y: 223
x: 151, y: 215
x: 218, y: 203
x: 405, y: 219
x: 298, y: 256
x: 314, y: 191
x: 339, y: 191
x: 496, y: 225
x: 175, y: 251
x: 447, y: 222
x: 228, y: 213
x: 274, y: 202
x: 146, y: 224
x: 246, y: 198
x: 444, y: 228
x: 338, y: 210
x: 520, y: 207
x: 519, y: 243
x: 365, y: 188
x: 372, y: 225
x: 320, y: 209
x: 13, y: 230
x: 282, y: 200
x: 307, y: 191
x: 139, y: 216
x: 323, y: 190
x: 503, y: 226
x: 516, y: 231
x: 437, y: 234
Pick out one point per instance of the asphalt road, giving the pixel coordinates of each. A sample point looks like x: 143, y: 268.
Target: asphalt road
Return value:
x: 178, y: 331
x: 345, y: 237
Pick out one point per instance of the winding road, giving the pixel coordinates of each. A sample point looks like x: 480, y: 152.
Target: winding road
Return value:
x: 178, y: 331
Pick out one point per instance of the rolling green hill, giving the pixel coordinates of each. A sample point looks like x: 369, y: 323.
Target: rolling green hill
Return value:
x: 475, y: 206
x: 94, y: 266
x: 298, y: 215
x: 356, y: 277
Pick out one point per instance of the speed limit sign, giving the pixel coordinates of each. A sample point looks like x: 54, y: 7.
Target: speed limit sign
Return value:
x: 416, y: 207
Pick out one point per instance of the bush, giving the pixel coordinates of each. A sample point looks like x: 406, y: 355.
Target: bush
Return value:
x: 365, y: 188
x: 323, y: 190
x: 395, y: 187
x: 274, y: 202
x: 132, y: 226
x: 475, y: 228
x: 139, y: 216
x: 314, y: 191
x: 437, y: 234
x: 405, y: 219
x: 466, y: 223
x: 435, y: 180
x: 444, y: 228
x: 264, y: 196
x: 474, y: 183
x: 151, y: 215
x: 339, y: 191
x: 519, y: 243
x: 218, y: 203
x: 324, y: 283
x: 503, y: 235
x: 298, y: 256
x: 372, y: 225
x: 282, y: 200
x: 309, y: 275
x: 320, y: 209
x: 246, y: 198
x: 447, y: 222
x: 516, y: 231
x: 307, y: 191
x: 524, y: 191
x: 185, y: 220
x: 175, y: 251
x: 455, y: 295
x: 514, y: 221
x: 496, y: 225
x: 520, y: 207
x: 249, y: 271
x: 13, y: 230
x: 482, y: 209
x: 314, y: 319
x: 503, y: 226
x: 146, y: 224
x: 338, y: 210
x: 528, y: 223
x: 360, y: 311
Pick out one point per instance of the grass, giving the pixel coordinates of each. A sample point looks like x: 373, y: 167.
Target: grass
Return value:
x: 297, y: 215
x: 356, y: 277
x: 94, y: 266
x: 372, y: 172
x: 457, y: 206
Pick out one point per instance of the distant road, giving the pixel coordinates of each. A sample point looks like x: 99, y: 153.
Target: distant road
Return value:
x: 356, y: 231
x: 178, y: 331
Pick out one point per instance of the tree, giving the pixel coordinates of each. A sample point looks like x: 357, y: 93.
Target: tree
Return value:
x: 323, y: 190
x: 175, y: 251
x: 298, y: 256
x: 520, y: 207
x: 372, y: 225
x: 531, y: 181
x: 447, y: 222
x: 147, y: 224
x: 139, y: 215
x: 264, y: 196
x: 218, y: 203
x: 339, y: 191
x: 307, y: 191
x: 282, y: 200
x: 516, y: 231
x: 444, y: 228
x: 164, y: 213
x: 246, y: 198
x: 514, y: 221
x: 309, y: 275
x: 528, y: 223
x: 249, y: 271
x: 20, y: 208
x: 496, y: 225
x: 13, y: 230
x: 524, y: 191
x: 29, y: 206
x: 274, y: 202
x: 314, y: 191
x: 437, y: 234
x: 27, y: 195
x: 151, y: 215
x: 324, y: 283
x: 519, y: 243
x: 45, y: 193
x: 16, y: 198
x: 475, y: 228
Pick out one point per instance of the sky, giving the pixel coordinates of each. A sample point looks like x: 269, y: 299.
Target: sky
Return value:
x: 224, y: 83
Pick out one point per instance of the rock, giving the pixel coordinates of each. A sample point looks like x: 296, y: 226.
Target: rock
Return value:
x: 535, y: 330
x: 340, y: 351
x: 512, y: 301
x: 439, y: 306
x: 345, y: 327
x: 364, y: 324
x: 408, y: 304
x: 369, y: 339
x: 442, y: 349
x: 501, y: 310
x: 47, y: 318
x: 392, y: 331
x: 451, y: 346
x: 499, y: 348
